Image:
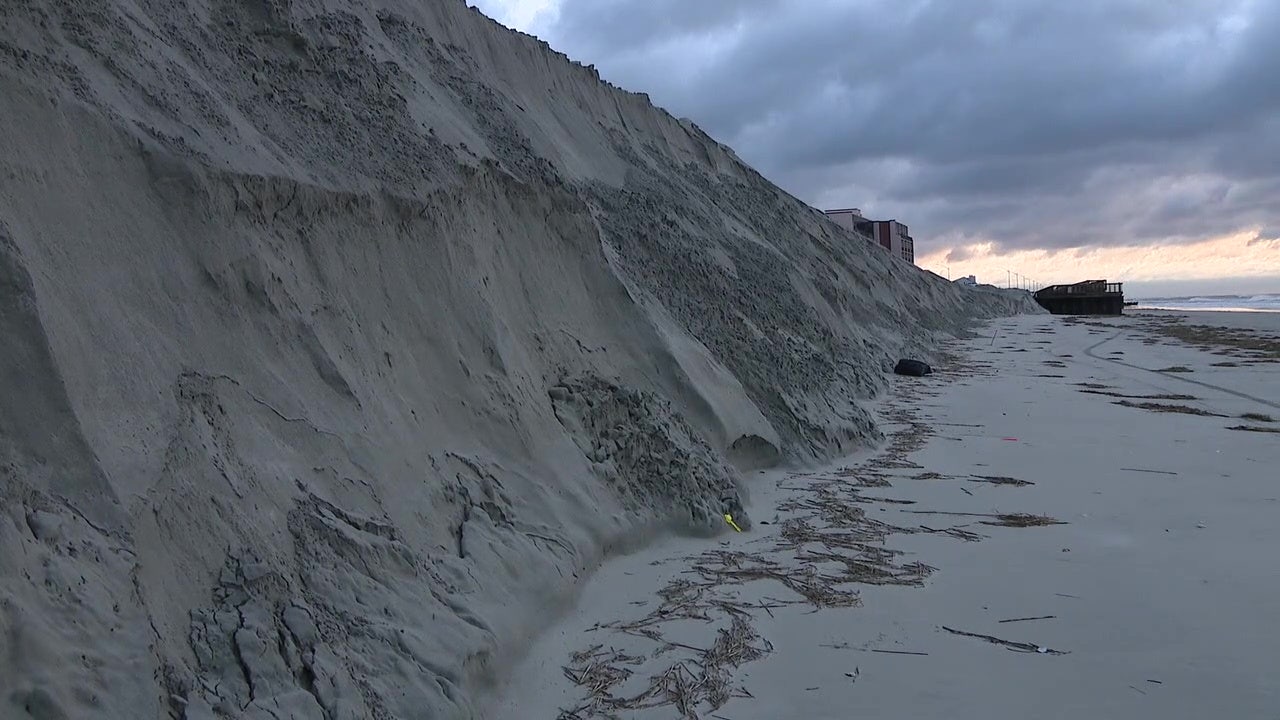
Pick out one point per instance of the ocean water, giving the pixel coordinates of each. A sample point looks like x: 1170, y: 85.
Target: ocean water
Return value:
x: 1266, y: 302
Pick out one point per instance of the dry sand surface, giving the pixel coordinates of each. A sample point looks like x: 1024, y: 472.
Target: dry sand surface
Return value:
x: 341, y: 338
x: 1025, y: 545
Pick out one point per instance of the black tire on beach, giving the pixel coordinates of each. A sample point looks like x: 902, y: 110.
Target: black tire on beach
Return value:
x: 914, y: 368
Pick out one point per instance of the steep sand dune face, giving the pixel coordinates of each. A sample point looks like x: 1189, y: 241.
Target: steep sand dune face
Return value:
x: 340, y: 336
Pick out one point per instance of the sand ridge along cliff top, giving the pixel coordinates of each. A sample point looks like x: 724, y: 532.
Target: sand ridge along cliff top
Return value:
x: 340, y: 337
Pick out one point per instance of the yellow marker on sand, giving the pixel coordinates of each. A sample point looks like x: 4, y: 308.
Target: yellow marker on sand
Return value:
x: 729, y: 519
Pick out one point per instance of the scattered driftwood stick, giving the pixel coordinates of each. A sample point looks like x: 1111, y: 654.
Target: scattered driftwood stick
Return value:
x: 1251, y: 428
x: 999, y: 480
x: 1025, y: 619
x: 672, y: 643
x: 1021, y: 520
x: 890, y: 501
x: 897, y: 652
x: 1001, y: 519
x: 1155, y: 472
x: 1022, y: 647
x: 955, y: 532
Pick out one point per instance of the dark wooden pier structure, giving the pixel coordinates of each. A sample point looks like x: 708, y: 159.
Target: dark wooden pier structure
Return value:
x: 1091, y: 297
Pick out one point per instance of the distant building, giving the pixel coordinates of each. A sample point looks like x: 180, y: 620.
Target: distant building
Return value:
x: 967, y: 280
x: 847, y: 218
x: 888, y: 234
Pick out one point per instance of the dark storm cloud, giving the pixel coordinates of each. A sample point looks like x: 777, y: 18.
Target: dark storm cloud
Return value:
x: 618, y: 27
x: 1031, y: 123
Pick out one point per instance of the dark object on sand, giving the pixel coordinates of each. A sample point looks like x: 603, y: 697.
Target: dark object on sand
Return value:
x: 1091, y: 297
x: 914, y: 368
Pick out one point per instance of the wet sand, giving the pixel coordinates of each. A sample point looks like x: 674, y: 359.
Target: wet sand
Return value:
x: 1158, y: 590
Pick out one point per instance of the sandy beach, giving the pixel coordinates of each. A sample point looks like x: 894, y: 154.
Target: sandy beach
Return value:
x: 1070, y: 519
x: 375, y: 360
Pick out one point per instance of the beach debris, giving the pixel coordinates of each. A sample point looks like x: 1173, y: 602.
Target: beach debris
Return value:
x: 1022, y: 520
x: 1028, y: 619
x: 728, y: 517
x: 686, y: 684
x: 887, y: 501
x: 1010, y: 439
x: 1252, y: 428
x: 822, y: 546
x: 820, y: 554
x: 999, y: 480
x: 955, y: 532
x: 1023, y: 647
x: 1157, y: 472
x: 1158, y: 407
x: 1000, y: 519
x: 1108, y: 393
x: 1206, y: 337
x: 913, y: 368
x: 599, y: 669
x: 895, y: 652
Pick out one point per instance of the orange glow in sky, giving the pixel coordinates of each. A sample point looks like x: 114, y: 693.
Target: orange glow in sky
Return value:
x: 1242, y: 255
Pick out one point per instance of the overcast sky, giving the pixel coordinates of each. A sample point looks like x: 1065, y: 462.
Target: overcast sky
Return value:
x: 1137, y: 140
